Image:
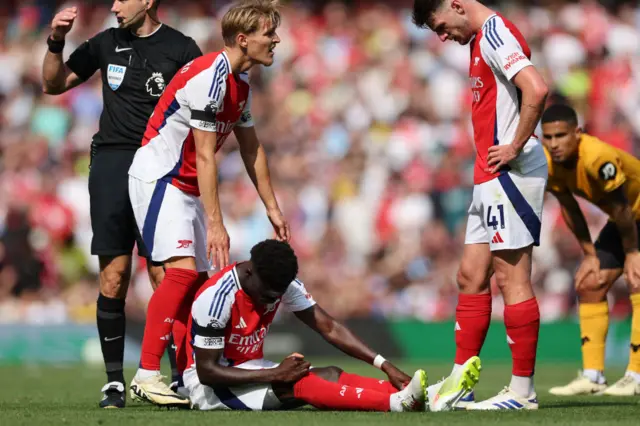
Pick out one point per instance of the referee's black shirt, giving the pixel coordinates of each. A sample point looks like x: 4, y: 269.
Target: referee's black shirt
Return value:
x: 135, y: 72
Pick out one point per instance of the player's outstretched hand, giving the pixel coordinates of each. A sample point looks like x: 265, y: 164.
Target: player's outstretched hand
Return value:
x: 500, y: 156
x: 218, y: 244
x: 292, y: 369
x: 397, y: 378
x: 588, y: 274
x: 279, y: 224
x: 632, y: 270
x: 63, y: 22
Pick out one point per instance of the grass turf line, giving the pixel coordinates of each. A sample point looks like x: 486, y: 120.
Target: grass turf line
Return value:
x: 34, y: 395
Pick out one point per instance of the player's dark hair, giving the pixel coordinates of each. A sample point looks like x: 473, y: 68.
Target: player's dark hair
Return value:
x: 423, y: 11
x: 560, y: 112
x: 275, y: 263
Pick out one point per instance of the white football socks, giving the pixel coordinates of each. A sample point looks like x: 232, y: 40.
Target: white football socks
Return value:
x: 143, y: 374
x: 636, y: 376
x: 595, y: 376
x: 523, y: 386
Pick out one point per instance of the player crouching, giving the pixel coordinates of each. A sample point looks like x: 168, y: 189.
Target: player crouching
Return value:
x: 583, y: 165
x: 230, y: 318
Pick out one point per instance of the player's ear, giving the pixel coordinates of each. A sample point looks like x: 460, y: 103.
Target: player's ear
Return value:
x: 456, y: 5
x: 241, y: 40
x: 578, y: 132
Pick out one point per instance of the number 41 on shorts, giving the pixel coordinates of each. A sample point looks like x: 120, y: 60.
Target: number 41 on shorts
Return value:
x: 492, y: 220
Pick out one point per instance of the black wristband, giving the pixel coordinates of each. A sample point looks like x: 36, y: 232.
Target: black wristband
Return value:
x: 55, y: 46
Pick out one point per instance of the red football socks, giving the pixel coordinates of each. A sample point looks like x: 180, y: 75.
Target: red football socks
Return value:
x: 473, y: 315
x: 366, y: 383
x: 326, y: 395
x: 522, y: 321
x: 161, y: 313
x: 179, y: 329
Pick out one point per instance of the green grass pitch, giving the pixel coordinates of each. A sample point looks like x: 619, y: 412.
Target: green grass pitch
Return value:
x: 37, y: 395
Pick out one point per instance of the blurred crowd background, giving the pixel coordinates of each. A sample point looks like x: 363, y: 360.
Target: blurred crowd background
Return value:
x: 366, y: 121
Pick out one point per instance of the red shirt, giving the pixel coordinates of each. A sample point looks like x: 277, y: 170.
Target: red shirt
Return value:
x: 498, y: 53
x: 204, y: 95
x: 223, y: 316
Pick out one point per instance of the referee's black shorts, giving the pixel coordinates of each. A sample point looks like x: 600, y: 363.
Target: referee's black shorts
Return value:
x: 609, y: 247
x: 114, y: 226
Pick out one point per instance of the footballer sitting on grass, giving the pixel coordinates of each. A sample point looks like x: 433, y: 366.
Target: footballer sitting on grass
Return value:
x: 230, y: 318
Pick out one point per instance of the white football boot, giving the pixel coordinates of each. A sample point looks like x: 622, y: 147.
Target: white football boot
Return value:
x: 627, y: 386
x: 413, y: 397
x: 581, y: 385
x: 507, y: 400
x: 155, y: 391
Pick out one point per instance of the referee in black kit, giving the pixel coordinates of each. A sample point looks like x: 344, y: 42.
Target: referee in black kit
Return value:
x: 137, y: 61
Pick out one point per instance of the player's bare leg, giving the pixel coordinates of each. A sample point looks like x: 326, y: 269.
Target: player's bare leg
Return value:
x: 115, y: 275
x: 156, y: 274
x: 165, y: 303
x: 522, y: 321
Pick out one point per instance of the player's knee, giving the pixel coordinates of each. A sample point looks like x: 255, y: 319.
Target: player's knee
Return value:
x: 114, y: 282
x: 331, y: 374
x: 470, y: 282
x: 592, y: 290
x: 502, y: 281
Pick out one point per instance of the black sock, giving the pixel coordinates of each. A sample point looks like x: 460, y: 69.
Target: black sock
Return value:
x: 111, y: 327
x: 171, y: 353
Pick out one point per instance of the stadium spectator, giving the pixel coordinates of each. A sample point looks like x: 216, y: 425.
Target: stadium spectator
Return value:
x: 360, y: 113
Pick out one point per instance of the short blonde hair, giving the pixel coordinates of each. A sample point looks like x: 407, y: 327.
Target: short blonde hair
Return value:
x: 245, y: 17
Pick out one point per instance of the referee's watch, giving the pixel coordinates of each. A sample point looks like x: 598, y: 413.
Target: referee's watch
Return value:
x: 55, y: 46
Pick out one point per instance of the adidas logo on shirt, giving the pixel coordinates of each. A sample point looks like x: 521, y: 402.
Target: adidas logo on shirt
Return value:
x: 497, y: 239
x: 241, y: 323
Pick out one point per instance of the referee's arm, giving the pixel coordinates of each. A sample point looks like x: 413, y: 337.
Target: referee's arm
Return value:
x: 58, y: 77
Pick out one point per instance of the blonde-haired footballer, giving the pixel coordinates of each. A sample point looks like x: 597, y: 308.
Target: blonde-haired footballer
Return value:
x: 173, y: 184
x: 583, y: 165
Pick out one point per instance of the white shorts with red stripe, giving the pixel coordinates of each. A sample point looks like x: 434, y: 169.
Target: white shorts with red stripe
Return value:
x: 506, y: 211
x: 256, y: 397
x: 171, y: 222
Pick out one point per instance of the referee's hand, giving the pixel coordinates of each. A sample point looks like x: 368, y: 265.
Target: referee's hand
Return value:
x: 63, y: 22
x: 217, y: 244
